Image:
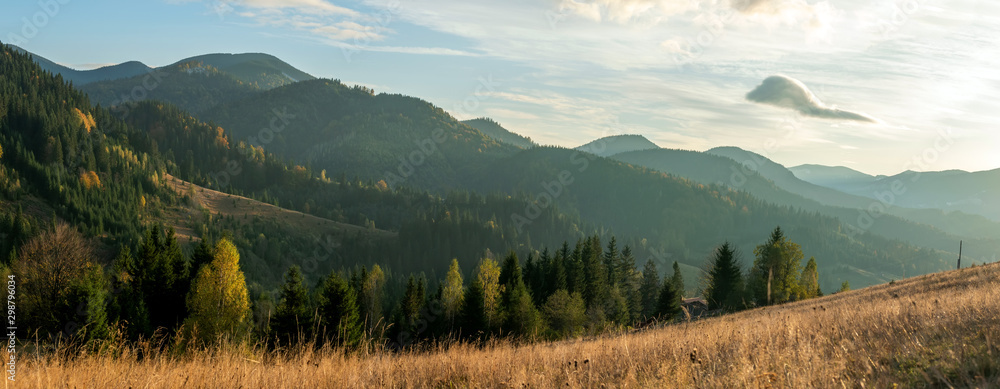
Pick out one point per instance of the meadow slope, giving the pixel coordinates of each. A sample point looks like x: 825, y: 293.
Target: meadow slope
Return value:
x: 937, y: 330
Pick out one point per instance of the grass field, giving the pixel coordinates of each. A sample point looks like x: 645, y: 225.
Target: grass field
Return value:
x: 939, y: 330
x: 244, y: 209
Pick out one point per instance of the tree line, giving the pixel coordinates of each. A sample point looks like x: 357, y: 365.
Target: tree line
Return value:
x: 586, y: 288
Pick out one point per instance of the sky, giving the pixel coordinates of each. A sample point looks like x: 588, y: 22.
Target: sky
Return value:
x: 877, y: 86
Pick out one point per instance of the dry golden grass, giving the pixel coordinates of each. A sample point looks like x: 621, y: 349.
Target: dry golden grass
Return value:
x: 938, y: 330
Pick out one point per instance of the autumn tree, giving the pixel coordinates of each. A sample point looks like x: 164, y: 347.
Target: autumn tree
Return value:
x: 372, y: 284
x: 219, y: 302
x: 453, y: 293
x: 809, y: 281
x: 488, y: 276
x: 66, y: 288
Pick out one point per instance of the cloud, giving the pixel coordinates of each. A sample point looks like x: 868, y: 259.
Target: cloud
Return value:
x: 787, y: 92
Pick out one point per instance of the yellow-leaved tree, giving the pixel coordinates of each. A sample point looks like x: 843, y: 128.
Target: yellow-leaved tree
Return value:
x: 219, y: 302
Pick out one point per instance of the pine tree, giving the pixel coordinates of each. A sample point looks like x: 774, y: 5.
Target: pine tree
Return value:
x: 595, y: 273
x: 630, y: 281
x: 668, y: 303
x: 611, y: 263
x: 649, y: 291
x: 725, y: 279
x: 338, y: 312
x: 87, y: 298
x: 845, y: 286
x: 474, y: 321
x: 556, y: 277
x: 519, y: 313
x: 293, y: 316
x: 678, y: 279
x: 127, y: 307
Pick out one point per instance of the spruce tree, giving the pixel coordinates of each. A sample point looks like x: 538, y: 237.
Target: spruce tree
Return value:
x: 293, y: 317
x: 668, y: 303
x: 649, y: 291
x: 678, y: 279
x: 338, y: 312
x: 725, y: 279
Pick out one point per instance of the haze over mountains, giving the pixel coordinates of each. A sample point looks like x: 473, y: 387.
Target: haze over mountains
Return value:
x: 346, y: 153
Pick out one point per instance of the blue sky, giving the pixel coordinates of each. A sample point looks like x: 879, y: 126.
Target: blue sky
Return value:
x: 567, y: 71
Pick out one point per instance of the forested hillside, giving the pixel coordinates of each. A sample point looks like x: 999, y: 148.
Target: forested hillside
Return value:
x: 351, y: 130
x: 193, y: 86
x: 537, y: 243
x: 494, y: 130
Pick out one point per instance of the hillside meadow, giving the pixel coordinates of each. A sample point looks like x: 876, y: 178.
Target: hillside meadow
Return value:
x: 937, y: 330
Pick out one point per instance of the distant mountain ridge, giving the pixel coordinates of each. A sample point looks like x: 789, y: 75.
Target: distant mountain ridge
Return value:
x: 494, y: 130
x: 82, y: 77
x: 830, y: 176
x: 615, y: 144
x: 264, y: 71
x: 747, y: 171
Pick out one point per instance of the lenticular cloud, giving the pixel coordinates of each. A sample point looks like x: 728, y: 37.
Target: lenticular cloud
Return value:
x: 787, y: 92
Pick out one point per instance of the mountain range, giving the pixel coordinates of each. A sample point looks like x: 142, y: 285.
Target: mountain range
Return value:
x: 432, y: 187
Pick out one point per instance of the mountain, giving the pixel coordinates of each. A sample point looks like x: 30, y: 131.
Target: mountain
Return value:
x: 611, y: 145
x: 830, y: 176
x: 350, y: 130
x: 193, y: 86
x: 264, y: 71
x: 82, y: 77
x: 953, y: 190
x: 683, y: 220
x: 492, y: 129
x: 109, y: 173
x: 963, y: 223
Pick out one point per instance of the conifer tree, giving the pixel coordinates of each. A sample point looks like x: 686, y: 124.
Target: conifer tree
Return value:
x: 774, y: 277
x: 678, y: 279
x: 293, y: 317
x: 649, y: 291
x: 725, y: 279
x: 668, y: 303
x: 338, y: 312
